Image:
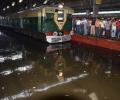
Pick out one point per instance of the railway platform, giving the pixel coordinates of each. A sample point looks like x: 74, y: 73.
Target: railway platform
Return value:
x: 97, y: 42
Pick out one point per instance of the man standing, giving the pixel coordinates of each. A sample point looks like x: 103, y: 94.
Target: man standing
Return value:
x: 118, y: 29
x: 92, y: 30
x: 78, y: 29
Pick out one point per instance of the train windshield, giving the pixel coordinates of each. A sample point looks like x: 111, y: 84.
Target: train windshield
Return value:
x: 60, y: 15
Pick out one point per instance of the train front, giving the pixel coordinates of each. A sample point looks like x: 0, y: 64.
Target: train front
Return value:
x: 57, y: 24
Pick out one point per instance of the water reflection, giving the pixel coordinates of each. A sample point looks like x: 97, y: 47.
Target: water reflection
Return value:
x: 30, y: 92
x: 18, y: 69
x: 59, y: 66
x: 67, y: 69
x: 92, y: 62
x: 60, y: 76
x: 10, y: 55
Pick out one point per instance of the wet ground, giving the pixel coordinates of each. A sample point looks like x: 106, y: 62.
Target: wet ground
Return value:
x: 32, y: 70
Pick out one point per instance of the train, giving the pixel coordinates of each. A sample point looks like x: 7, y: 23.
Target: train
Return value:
x: 47, y: 23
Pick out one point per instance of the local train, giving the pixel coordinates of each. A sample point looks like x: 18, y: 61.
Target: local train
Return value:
x: 51, y: 24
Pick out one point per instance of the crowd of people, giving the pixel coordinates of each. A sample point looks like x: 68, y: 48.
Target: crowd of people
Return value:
x: 97, y: 27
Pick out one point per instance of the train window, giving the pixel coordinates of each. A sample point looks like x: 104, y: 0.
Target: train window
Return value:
x: 60, y: 15
x: 49, y: 16
x: 69, y: 16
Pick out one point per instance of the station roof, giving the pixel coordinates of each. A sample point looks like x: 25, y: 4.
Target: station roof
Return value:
x: 10, y: 6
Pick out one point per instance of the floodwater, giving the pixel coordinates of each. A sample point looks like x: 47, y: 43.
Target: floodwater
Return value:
x: 32, y: 70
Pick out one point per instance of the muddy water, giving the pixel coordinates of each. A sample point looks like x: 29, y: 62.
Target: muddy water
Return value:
x: 31, y: 70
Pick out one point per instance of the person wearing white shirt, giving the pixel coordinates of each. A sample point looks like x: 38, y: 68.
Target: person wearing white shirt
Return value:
x: 78, y: 22
x: 85, y: 25
x: 113, y: 29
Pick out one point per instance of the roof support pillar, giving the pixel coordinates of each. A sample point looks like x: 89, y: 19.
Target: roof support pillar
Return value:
x: 96, y: 5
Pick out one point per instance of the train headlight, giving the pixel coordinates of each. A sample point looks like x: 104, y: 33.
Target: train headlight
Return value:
x: 61, y: 5
x: 60, y: 33
x: 55, y: 33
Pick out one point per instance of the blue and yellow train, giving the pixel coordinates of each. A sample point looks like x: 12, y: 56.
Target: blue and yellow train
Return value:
x: 51, y: 24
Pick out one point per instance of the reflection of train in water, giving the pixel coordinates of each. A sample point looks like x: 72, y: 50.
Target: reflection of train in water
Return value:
x: 47, y: 69
x: 51, y: 24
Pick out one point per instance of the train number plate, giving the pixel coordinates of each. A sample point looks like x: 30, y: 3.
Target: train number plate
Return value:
x: 56, y: 39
